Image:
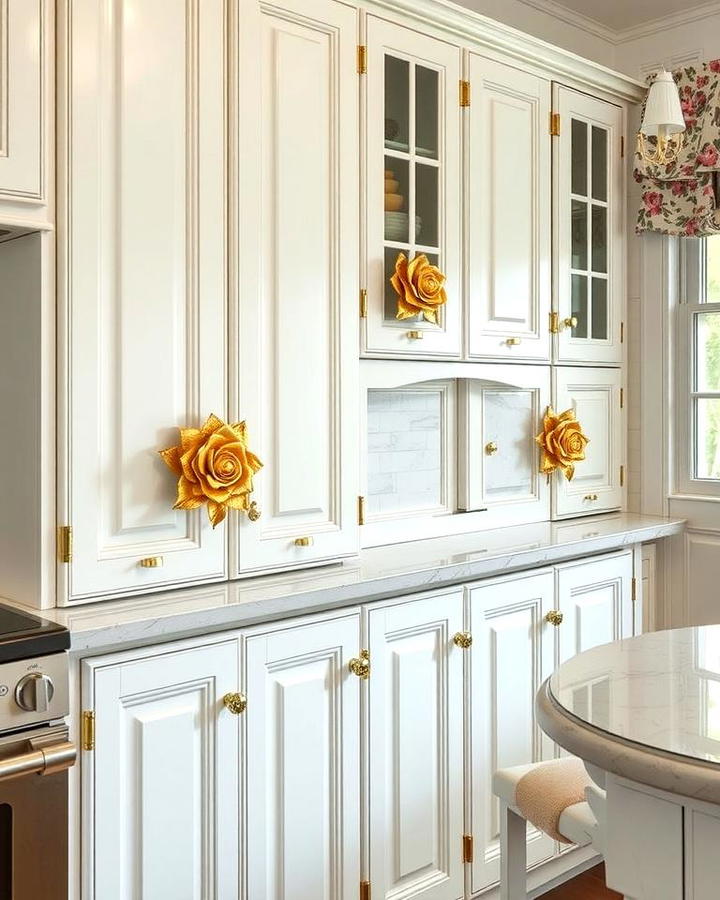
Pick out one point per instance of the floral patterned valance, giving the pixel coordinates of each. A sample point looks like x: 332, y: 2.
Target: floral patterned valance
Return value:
x: 681, y: 198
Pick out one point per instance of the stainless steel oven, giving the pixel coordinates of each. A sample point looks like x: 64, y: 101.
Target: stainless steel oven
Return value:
x: 34, y: 814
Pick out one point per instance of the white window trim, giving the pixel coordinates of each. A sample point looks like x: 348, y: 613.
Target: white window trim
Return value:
x: 692, y: 281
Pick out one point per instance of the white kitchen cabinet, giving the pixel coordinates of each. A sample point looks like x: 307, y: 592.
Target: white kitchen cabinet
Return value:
x: 302, y: 760
x: 497, y: 454
x: 598, y: 482
x: 595, y: 597
x: 411, y: 184
x: 415, y: 703
x: 142, y: 288
x: 26, y: 113
x: 161, y: 786
x: 589, y: 228
x: 512, y: 653
x: 508, y: 213
x: 294, y: 354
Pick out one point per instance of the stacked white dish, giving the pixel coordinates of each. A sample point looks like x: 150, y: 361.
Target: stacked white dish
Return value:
x: 396, y: 226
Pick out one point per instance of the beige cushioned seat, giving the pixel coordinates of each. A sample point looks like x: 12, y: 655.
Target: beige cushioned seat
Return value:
x: 551, y: 795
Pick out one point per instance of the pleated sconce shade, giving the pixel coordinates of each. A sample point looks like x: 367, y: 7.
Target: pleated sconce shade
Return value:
x: 663, y: 115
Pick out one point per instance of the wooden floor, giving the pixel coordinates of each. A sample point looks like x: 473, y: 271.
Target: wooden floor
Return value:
x: 588, y: 886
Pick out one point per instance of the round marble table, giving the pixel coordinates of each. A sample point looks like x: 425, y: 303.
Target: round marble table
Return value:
x: 644, y: 715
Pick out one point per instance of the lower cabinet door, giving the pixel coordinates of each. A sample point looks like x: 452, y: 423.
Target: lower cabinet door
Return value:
x: 595, y: 396
x: 512, y: 651
x: 161, y: 788
x: 596, y: 602
x: 302, y: 764
x: 416, y: 748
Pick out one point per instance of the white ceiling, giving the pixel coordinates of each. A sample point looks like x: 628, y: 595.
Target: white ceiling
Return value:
x: 621, y: 14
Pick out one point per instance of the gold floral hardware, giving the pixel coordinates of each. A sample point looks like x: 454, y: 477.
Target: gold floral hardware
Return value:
x: 214, y: 466
x: 562, y: 443
x: 420, y: 287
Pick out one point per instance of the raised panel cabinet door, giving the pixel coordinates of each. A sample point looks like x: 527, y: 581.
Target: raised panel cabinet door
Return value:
x: 303, y: 761
x: 512, y: 652
x: 25, y: 80
x: 508, y: 213
x: 143, y: 286
x: 297, y: 360
x: 416, y: 748
x: 411, y: 188
x: 161, y: 788
x: 598, y: 482
x: 595, y: 599
x: 589, y: 228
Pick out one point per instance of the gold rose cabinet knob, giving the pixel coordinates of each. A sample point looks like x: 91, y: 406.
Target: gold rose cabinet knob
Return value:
x: 254, y: 512
x: 554, y: 617
x: 361, y: 666
x: 236, y: 703
x: 491, y: 447
x: 570, y: 322
x: 463, y: 640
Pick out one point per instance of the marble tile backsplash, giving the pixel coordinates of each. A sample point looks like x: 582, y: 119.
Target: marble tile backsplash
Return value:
x: 404, y: 450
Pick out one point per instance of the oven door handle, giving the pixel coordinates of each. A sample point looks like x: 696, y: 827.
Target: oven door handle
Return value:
x: 45, y: 761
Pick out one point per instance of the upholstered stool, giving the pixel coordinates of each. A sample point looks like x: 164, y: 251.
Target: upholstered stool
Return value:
x: 559, y: 798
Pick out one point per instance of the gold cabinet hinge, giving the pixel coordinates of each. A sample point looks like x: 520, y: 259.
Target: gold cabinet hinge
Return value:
x: 554, y: 124
x: 622, y: 398
x: 364, y: 890
x: 622, y: 332
x: 633, y: 589
x: 622, y: 146
x: 87, y: 738
x: 362, y: 59
x: 361, y: 511
x: 554, y: 323
x: 363, y: 303
x: 622, y: 475
x: 65, y: 543
x: 464, y: 93
x: 467, y: 848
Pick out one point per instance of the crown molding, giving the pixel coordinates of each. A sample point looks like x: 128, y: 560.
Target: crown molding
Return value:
x: 572, y: 17
x: 674, y: 20
x: 481, y: 31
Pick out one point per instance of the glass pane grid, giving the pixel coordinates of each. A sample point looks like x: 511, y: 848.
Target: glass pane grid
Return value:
x: 416, y: 150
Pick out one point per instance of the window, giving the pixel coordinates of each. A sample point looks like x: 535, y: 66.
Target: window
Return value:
x: 699, y: 368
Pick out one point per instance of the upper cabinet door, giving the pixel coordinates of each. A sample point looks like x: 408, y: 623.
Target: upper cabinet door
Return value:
x: 595, y: 395
x: 589, y: 224
x: 144, y: 283
x: 26, y: 98
x: 508, y: 212
x: 298, y: 281
x: 412, y: 191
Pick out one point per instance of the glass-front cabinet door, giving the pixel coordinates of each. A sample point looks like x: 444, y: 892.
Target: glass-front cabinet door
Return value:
x: 413, y: 302
x: 589, y: 223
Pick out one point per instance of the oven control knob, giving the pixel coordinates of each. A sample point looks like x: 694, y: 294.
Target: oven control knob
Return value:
x: 34, y: 692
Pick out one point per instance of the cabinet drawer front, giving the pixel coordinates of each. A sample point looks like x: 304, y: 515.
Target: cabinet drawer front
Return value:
x: 594, y: 394
x: 146, y: 292
x: 303, y: 761
x: 513, y: 649
x: 162, y: 815
x: 297, y: 338
x: 416, y: 748
x: 508, y: 213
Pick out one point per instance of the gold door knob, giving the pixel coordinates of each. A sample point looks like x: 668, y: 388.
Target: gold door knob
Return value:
x: 151, y: 562
x: 554, y: 617
x: 254, y: 512
x: 415, y: 335
x: 236, y: 703
x: 570, y: 322
x: 361, y: 666
x: 303, y: 542
x: 513, y: 342
x: 462, y: 639
x: 491, y: 447
x: 591, y: 497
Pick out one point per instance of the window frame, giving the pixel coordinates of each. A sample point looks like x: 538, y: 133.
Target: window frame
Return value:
x: 692, y: 302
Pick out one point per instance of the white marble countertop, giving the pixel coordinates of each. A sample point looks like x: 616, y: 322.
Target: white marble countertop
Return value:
x: 375, y: 574
x: 646, y: 708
